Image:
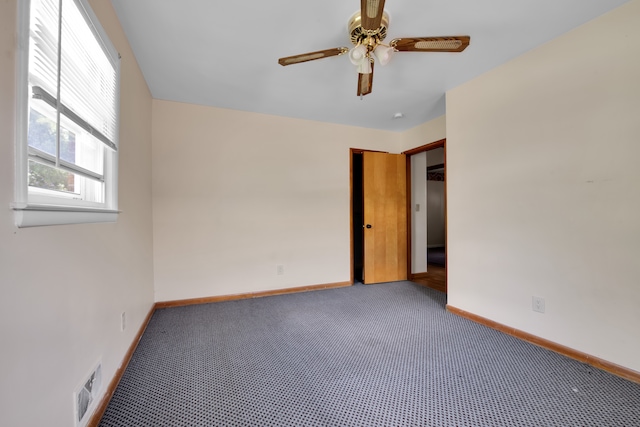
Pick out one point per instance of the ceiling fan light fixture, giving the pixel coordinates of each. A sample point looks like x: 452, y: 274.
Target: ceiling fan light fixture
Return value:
x: 383, y: 54
x: 365, y: 66
x: 358, y: 54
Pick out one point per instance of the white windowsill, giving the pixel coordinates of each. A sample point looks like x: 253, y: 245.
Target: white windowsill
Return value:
x: 41, y: 215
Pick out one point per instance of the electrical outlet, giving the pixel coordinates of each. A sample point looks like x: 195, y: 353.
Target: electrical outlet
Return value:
x: 280, y: 270
x: 123, y: 319
x: 538, y: 304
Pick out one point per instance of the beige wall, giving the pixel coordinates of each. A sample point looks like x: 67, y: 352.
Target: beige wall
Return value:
x: 428, y: 132
x: 235, y: 194
x: 543, y: 190
x: 58, y: 323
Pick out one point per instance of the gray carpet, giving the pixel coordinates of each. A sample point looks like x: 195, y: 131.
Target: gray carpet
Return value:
x: 377, y: 355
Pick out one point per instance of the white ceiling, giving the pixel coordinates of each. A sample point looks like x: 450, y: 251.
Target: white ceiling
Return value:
x: 224, y: 53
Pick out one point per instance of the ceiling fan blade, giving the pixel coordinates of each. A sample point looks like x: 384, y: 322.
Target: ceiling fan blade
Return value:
x: 371, y: 13
x: 365, y: 83
x: 431, y: 44
x: 296, y: 59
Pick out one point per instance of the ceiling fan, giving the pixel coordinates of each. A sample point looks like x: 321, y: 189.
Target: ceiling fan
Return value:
x: 367, y: 30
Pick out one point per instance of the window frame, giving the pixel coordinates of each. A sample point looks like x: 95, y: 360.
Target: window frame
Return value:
x: 39, y: 207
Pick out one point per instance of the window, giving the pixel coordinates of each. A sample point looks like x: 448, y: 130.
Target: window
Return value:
x: 67, y: 117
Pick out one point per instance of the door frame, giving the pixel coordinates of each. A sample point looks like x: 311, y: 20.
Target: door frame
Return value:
x: 427, y: 147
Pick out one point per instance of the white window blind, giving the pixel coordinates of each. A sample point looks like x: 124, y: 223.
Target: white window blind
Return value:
x: 71, y: 67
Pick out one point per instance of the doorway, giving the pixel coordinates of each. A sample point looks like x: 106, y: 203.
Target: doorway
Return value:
x: 426, y: 166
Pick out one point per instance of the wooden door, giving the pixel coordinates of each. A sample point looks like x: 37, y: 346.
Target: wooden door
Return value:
x: 385, y: 217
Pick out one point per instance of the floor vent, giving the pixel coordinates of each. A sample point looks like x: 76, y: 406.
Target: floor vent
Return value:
x: 87, y: 394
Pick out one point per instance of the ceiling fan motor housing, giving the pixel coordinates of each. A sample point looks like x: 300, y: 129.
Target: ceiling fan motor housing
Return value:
x: 367, y: 37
